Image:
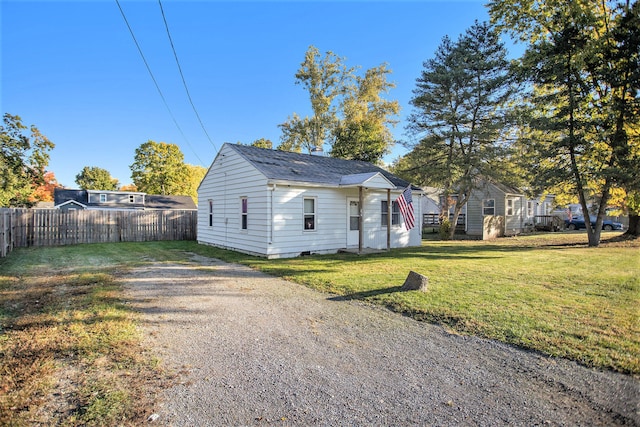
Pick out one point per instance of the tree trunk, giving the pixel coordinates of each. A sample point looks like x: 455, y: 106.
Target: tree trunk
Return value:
x: 444, y: 214
x: 454, y: 221
x: 634, y: 226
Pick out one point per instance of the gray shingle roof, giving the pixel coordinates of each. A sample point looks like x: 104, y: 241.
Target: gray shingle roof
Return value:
x: 297, y: 167
x: 155, y: 201
x: 506, y: 189
x: 151, y: 201
x: 61, y: 195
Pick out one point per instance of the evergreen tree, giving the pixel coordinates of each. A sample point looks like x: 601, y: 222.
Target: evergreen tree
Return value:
x: 461, y: 115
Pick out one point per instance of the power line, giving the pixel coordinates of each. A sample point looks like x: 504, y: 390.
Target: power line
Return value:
x: 156, y: 83
x: 184, y: 83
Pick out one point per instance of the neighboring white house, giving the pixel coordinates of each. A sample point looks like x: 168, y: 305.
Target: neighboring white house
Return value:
x: 431, y: 201
x: 280, y: 204
x: 540, y: 206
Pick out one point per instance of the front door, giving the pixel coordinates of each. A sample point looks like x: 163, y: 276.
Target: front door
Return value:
x: 353, y: 222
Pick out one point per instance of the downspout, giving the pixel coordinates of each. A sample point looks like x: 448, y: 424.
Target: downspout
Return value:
x: 419, y: 217
x: 360, y: 218
x: 271, y: 218
x: 389, y: 211
x: 504, y: 216
x: 224, y: 209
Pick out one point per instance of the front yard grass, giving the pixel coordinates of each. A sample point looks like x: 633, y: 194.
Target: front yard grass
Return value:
x: 70, y: 349
x: 549, y: 293
x: 71, y: 352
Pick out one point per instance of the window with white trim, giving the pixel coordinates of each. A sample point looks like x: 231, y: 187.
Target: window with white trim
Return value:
x: 510, y: 205
x: 384, y: 211
x: 103, y: 198
x: 244, y: 213
x: 354, y: 215
x: 529, y: 208
x: 132, y: 198
x: 210, y: 213
x: 309, y: 213
x: 489, y: 207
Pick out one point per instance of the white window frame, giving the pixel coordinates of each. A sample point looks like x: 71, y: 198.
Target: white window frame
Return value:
x: 132, y: 198
x: 529, y: 208
x: 510, y: 210
x: 312, y: 215
x: 103, y: 198
x: 210, y: 213
x: 486, y: 209
x: 395, y: 213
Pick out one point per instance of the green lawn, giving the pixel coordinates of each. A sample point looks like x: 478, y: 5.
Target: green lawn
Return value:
x: 64, y: 327
x: 62, y: 313
x: 544, y: 292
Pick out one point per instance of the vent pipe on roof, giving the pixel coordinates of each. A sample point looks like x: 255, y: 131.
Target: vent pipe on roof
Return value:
x: 317, y: 151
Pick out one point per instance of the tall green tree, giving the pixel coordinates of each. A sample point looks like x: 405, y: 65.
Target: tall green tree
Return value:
x: 95, y: 178
x: 24, y: 156
x: 196, y: 174
x: 350, y: 112
x: 325, y: 79
x: 363, y: 132
x: 582, y: 62
x: 460, y: 116
x: 159, y: 168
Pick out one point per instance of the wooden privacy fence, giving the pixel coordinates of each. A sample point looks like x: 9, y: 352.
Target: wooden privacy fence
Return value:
x: 53, y: 227
x: 6, y: 241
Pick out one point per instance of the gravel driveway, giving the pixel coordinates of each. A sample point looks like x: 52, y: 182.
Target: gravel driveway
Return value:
x: 251, y: 349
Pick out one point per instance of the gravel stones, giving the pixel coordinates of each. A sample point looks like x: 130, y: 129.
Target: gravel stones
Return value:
x: 251, y: 349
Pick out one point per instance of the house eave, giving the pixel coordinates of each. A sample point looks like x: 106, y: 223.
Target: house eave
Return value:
x: 71, y: 202
x: 366, y: 180
x: 327, y: 185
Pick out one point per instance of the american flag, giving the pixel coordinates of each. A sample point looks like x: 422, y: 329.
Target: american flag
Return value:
x: 405, y: 202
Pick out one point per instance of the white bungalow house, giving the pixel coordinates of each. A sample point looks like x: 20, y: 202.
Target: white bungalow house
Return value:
x: 281, y: 204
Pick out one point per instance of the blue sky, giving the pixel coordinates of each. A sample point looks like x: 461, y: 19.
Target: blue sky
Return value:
x: 72, y: 68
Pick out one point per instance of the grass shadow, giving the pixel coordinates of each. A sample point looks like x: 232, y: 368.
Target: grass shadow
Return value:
x: 366, y: 294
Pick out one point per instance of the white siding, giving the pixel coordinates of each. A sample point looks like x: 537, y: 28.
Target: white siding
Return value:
x: 514, y: 224
x: 375, y: 233
x: 289, y: 236
x: 229, y: 178
x: 275, y: 213
x: 475, y: 214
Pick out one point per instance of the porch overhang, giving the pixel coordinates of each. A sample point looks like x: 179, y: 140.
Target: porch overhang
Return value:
x: 369, y: 180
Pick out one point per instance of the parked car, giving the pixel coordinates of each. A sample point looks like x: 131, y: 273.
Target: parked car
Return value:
x: 578, y: 222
